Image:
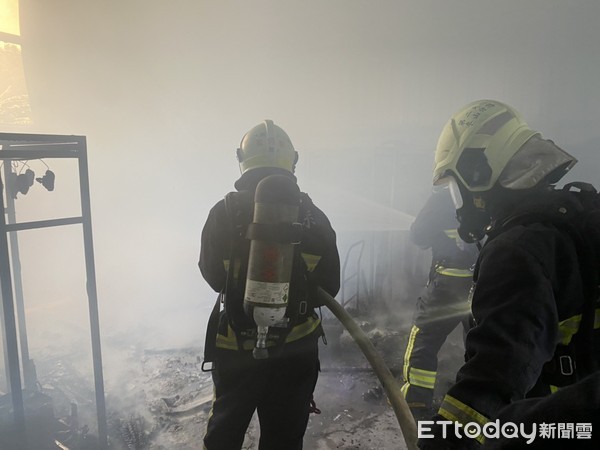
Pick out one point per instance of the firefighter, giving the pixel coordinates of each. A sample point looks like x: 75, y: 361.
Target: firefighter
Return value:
x: 571, y: 413
x: 444, y: 303
x: 279, y: 387
x: 535, y: 297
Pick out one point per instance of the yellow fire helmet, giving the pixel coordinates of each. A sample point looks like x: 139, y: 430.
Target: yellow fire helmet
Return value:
x: 266, y: 145
x: 478, y: 142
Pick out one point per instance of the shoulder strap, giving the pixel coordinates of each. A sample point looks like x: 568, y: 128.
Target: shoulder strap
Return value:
x: 233, y: 209
x: 234, y: 214
x: 239, y: 207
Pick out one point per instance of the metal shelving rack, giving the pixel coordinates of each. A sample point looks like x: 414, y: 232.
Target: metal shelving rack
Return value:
x: 23, y: 147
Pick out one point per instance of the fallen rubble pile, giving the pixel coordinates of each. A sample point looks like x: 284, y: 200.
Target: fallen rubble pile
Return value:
x: 160, y: 399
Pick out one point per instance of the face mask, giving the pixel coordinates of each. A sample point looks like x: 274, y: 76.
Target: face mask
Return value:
x: 455, y: 193
x: 473, y: 220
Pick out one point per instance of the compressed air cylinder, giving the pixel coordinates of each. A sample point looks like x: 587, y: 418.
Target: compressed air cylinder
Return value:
x: 276, y: 206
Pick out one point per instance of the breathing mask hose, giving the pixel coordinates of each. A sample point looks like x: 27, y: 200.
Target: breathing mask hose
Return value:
x: 273, y: 233
x: 389, y: 383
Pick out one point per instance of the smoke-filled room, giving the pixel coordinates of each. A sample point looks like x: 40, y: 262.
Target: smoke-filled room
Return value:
x: 319, y: 225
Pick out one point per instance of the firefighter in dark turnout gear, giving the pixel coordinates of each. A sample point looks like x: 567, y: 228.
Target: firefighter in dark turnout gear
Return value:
x: 535, y: 301
x: 573, y: 413
x: 444, y: 303
x: 280, y: 387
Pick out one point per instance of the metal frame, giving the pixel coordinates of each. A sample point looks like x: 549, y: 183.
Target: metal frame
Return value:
x: 15, y: 146
x: 356, y: 296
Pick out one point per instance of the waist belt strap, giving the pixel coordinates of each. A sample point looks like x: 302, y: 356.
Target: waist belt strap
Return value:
x: 451, y: 272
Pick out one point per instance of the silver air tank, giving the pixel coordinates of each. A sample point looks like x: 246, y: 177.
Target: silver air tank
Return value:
x: 273, y: 233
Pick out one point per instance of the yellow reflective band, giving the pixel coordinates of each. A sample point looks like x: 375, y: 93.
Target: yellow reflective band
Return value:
x: 404, y: 389
x: 422, y: 378
x: 450, y: 272
x: 409, y: 348
x: 425, y: 383
x: 449, y: 416
x: 226, y: 265
x: 304, y: 329
x: 462, y: 413
x: 553, y: 389
x: 452, y: 233
x: 567, y: 328
x: 423, y: 372
x: 310, y: 260
x: 228, y: 342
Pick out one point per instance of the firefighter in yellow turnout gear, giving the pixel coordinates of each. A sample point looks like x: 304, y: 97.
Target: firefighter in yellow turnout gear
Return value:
x: 444, y: 303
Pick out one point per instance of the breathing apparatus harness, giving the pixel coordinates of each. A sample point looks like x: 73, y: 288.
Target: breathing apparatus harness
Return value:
x: 238, y: 307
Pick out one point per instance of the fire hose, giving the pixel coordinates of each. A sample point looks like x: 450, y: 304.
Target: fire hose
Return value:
x: 389, y: 383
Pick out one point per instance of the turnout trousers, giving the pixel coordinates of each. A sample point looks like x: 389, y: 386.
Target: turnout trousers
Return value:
x: 442, y: 307
x: 280, y: 390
